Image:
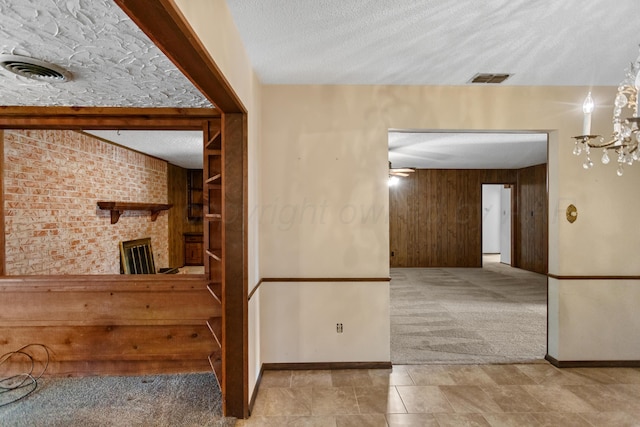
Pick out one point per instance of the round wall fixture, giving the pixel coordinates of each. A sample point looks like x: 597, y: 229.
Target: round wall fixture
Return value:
x: 34, y: 69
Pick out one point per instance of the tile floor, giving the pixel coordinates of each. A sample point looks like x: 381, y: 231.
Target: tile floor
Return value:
x: 536, y: 394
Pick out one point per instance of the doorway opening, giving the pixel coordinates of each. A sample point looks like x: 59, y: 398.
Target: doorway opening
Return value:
x: 455, y: 296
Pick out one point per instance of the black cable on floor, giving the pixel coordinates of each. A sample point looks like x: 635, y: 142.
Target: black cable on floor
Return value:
x: 23, y: 383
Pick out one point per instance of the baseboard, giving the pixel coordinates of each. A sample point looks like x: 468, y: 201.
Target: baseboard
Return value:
x: 325, y: 366
x: 592, y: 363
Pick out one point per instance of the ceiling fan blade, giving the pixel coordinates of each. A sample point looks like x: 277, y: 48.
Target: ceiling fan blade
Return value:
x: 403, y: 170
x: 394, y: 173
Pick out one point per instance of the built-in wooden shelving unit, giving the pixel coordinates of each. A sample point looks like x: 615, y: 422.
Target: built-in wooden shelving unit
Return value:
x: 117, y: 208
x: 213, y: 176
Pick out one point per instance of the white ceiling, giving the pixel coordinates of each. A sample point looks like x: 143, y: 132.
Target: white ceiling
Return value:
x: 468, y: 150
x: 408, y: 42
x: 439, y: 42
x: 181, y: 148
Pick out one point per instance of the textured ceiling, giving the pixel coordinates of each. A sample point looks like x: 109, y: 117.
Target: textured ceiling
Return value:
x: 113, y: 63
x: 431, y: 42
x: 181, y: 148
x: 439, y: 42
x: 469, y: 150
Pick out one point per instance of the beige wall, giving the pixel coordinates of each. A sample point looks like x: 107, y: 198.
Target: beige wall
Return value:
x: 325, y: 150
x: 318, y: 200
x: 212, y: 22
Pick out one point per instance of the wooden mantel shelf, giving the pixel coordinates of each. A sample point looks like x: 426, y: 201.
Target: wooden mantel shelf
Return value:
x: 117, y: 208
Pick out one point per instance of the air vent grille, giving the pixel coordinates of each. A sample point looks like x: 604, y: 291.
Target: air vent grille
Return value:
x: 489, y: 78
x: 33, y: 69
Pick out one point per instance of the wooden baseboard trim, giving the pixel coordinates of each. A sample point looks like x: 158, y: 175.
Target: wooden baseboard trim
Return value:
x: 592, y: 363
x: 325, y: 366
x: 554, y: 276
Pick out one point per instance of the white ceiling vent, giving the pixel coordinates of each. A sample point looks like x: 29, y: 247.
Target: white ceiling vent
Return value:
x: 34, y: 69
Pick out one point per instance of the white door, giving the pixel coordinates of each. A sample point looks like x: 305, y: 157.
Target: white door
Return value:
x: 505, y: 225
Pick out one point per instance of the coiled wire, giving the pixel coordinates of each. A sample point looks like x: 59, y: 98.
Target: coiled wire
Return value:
x: 18, y: 386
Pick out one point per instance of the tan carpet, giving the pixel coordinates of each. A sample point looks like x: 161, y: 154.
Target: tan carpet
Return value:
x: 496, y: 314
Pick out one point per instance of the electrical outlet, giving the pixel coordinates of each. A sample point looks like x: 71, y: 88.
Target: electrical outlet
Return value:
x: 339, y: 328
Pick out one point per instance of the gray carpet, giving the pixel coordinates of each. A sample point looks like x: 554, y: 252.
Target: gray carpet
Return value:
x: 496, y: 314
x: 160, y: 400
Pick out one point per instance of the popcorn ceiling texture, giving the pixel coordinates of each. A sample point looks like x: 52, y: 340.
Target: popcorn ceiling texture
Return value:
x: 53, y: 180
x: 112, y: 61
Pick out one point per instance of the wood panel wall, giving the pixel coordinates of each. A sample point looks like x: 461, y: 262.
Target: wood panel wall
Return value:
x: 178, y: 217
x: 110, y: 325
x: 436, y: 217
x: 531, y: 231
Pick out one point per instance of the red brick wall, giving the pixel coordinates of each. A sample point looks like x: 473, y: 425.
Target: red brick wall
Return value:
x: 53, y: 180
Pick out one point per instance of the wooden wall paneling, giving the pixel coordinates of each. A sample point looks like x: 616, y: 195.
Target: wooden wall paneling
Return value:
x: 177, y: 196
x: 447, y: 229
x: 3, y: 264
x: 178, y: 218
x: 532, y: 230
x: 109, y: 322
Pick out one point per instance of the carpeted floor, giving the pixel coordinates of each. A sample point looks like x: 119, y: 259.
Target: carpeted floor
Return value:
x: 496, y: 314
x: 159, y: 400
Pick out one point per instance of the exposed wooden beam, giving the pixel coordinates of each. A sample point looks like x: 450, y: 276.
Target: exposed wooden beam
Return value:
x: 105, y: 118
x: 166, y: 26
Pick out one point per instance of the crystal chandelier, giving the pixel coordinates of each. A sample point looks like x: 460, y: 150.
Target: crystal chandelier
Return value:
x: 626, y: 135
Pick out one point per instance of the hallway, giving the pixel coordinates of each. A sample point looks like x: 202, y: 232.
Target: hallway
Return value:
x: 497, y: 314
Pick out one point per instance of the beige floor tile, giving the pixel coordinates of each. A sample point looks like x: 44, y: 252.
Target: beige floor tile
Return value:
x: 511, y: 420
x: 379, y: 400
x: 461, y: 420
x: 275, y: 379
x: 605, y: 398
x: 623, y: 375
x: 284, y: 402
x: 595, y: 375
x: 312, y: 421
x: 423, y: 399
x: 334, y: 401
x: 507, y: 375
x: 546, y: 374
x: 320, y: 378
x: 412, y: 420
x: 395, y: 376
x: 555, y: 419
x: 558, y: 399
x: 351, y: 377
x: 469, y: 375
x: 430, y: 375
x: 611, y: 419
x: 513, y: 398
x: 260, y: 421
x: 363, y: 420
x: 466, y: 399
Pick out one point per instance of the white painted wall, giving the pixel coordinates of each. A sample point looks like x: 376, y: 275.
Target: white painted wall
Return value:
x: 491, y: 229
x: 505, y: 225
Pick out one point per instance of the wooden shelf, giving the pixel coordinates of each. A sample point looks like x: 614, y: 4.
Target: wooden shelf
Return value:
x: 215, y: 254
x: 215, y: 360
x: 215, y: 288
x: 215, y: 326
x: 117, y: 208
